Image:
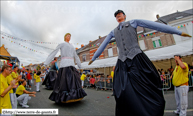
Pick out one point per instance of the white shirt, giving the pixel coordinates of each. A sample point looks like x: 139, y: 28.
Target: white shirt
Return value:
x: 68, y: 54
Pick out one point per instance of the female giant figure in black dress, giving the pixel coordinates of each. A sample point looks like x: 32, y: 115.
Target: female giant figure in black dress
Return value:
x: 67, y: 86
x: 51, y: 76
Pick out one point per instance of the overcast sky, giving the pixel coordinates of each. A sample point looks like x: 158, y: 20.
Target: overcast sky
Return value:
x: 48, y: 21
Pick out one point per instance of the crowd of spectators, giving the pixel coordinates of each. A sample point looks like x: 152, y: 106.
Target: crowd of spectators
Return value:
x: 16, y: 85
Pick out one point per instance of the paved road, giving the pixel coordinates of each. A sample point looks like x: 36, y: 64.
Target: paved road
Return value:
x: 97, y: 103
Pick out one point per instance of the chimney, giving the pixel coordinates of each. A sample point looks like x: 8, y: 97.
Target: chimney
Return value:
x: 99, y: 37
x: 82, y: 45
x: 90, y: 41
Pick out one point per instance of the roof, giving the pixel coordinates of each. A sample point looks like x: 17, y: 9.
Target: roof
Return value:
x: 100, y: 40
x: 80, y: 49
x: 190, y: 11
x: 95, y: 42
x: 3, y: 51
x: 171, y: 17
x: 9, y: 58
x: 176, y: 15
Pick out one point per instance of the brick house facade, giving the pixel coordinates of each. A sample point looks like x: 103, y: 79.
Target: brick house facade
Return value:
x: 86, y: 53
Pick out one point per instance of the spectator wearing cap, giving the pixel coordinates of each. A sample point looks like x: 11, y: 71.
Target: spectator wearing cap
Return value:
x: 23, y: 95
x: 180, y: 81
x: 82, y: 78
x: 5, y: 102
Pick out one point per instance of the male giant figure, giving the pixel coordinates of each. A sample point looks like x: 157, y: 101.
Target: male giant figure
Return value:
x: 136, y: 85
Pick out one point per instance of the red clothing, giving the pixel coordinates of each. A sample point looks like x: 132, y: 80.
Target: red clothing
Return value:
x: 29, y: 76
x: 92, y: 80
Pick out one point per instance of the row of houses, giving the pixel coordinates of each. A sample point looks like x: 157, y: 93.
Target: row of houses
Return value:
x: 157, y: 45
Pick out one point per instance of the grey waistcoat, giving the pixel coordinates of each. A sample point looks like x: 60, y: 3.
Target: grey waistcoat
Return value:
x: 127, y: 41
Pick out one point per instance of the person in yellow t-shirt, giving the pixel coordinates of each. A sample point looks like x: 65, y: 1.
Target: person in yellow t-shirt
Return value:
x: 23, y: 95
x: 12, y: 95
x: 5, y: 102
x: 38, y: 80
x: 83, y: 76
x: 180, y: 81
x: 15, y: 75
x: 35, y: 77
x: 112, y: 73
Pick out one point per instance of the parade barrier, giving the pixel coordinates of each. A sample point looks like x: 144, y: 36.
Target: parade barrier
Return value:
x: 87, y: 82
x: 107, y: 83
x: 190, y: 79
x: 166, y: 81
x: 100, y: 83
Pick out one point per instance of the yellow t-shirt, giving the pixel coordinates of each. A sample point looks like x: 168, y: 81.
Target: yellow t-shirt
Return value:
x: 5, y: 101
x: 9, y: 79
x: 82, y: 77
x: 20, y: 89
x: 35, y: 76
x: 14, y: 76
x: 112, y: 75
x: 180, y: 76
x: 38, y: 79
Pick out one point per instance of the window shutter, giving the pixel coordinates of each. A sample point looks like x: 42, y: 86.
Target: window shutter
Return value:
x: 154, y: 44
x: 160, y: 43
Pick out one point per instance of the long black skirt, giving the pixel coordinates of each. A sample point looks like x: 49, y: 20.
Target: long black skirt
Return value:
x: 67, y: 86
x: 137, y: 88
x: 50, y: 80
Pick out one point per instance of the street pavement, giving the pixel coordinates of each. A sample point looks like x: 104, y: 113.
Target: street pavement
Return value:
x: 96, y: 103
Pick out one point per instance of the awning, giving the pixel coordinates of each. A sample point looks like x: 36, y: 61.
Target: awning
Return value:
x: 184, y: 48
x: 107, y: 62
x: 9, y: 58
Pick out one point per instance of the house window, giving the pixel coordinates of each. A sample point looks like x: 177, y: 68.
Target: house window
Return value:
x: 142, y: 44
x: 110, y: 52
x: 84, y: 57
x: 157, y: 43
x: 98, y: 44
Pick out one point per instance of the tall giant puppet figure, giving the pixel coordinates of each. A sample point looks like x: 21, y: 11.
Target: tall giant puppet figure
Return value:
x: 136, y: 85
x: 52, y: 75
x: 67, y: 87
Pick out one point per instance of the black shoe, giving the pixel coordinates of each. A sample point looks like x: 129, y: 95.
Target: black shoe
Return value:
x: 38, y: 91
x: 112, y: 95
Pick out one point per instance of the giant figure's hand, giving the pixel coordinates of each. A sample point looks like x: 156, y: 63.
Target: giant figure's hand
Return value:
x: 185, y: 34
x: 90, y: 62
